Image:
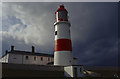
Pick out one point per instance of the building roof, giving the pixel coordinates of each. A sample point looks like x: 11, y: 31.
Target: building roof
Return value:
x: 30, y: 53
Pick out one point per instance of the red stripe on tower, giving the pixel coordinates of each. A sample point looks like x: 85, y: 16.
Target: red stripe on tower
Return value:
x: 63, y: 45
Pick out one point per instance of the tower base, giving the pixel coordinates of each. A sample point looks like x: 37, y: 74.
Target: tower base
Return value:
x: 63, y: 58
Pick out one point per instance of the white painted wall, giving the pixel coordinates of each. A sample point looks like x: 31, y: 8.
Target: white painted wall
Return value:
x: 37, y: 61
x: 69, y: 71
x: 63, y: 31
x: 15, y: 58
x: 63, y: 58
x: 5, y: 58
x: 21, y: 59
x: 79, y: 74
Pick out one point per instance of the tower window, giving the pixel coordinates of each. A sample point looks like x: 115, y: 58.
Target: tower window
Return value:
x: 26, y: 57
x: 55, y: 32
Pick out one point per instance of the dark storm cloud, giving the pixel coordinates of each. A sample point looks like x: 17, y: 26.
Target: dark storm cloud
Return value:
x: 95, y: 19
x: 99, y: 52
x: 93, y: 30
x: 98, y: 22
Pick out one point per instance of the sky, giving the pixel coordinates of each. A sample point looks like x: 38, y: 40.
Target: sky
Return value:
x: 94, y: 30
x: 60, y: 0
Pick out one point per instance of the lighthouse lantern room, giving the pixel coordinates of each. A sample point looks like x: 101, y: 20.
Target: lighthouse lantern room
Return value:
x: 63, y: 47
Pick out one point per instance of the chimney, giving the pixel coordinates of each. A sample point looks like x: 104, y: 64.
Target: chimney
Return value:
x: 33, y: 49
x: 12, y: 48
x: 6, y: 51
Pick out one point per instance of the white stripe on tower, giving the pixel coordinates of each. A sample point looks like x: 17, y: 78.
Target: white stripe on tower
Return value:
x: 62, y: 32
x: 63, y: 46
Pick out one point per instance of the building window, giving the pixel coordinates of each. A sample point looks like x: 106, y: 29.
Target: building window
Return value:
x: 35, y: 58
x: 26, y: 57
x: 41, y: 58
x: 55, y: 32
x: 48, y: 59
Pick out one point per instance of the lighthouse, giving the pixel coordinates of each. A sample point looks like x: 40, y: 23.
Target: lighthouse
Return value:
x: 63, y: 46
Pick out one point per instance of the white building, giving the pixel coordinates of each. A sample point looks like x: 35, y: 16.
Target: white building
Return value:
x: 74, y: 71
x: 25, y: 57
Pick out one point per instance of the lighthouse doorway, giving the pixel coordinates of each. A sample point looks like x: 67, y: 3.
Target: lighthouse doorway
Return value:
x: 75, y: 72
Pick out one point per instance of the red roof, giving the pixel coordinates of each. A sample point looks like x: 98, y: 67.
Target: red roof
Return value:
x: 61, y: 7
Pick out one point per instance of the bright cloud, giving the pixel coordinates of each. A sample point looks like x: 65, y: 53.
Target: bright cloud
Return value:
x: 93, y: 30
x: 35, y: 27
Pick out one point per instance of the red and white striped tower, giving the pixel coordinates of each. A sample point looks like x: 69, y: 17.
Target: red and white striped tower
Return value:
x: 63, y: 47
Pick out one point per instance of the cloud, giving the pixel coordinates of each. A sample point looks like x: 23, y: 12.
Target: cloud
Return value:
x: 100, y: 52
x: 92, y: 20
x: 29, y: 22
x: 93, y: 30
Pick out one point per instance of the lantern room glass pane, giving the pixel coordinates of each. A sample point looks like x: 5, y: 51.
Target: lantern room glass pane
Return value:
x: 62, y: 15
